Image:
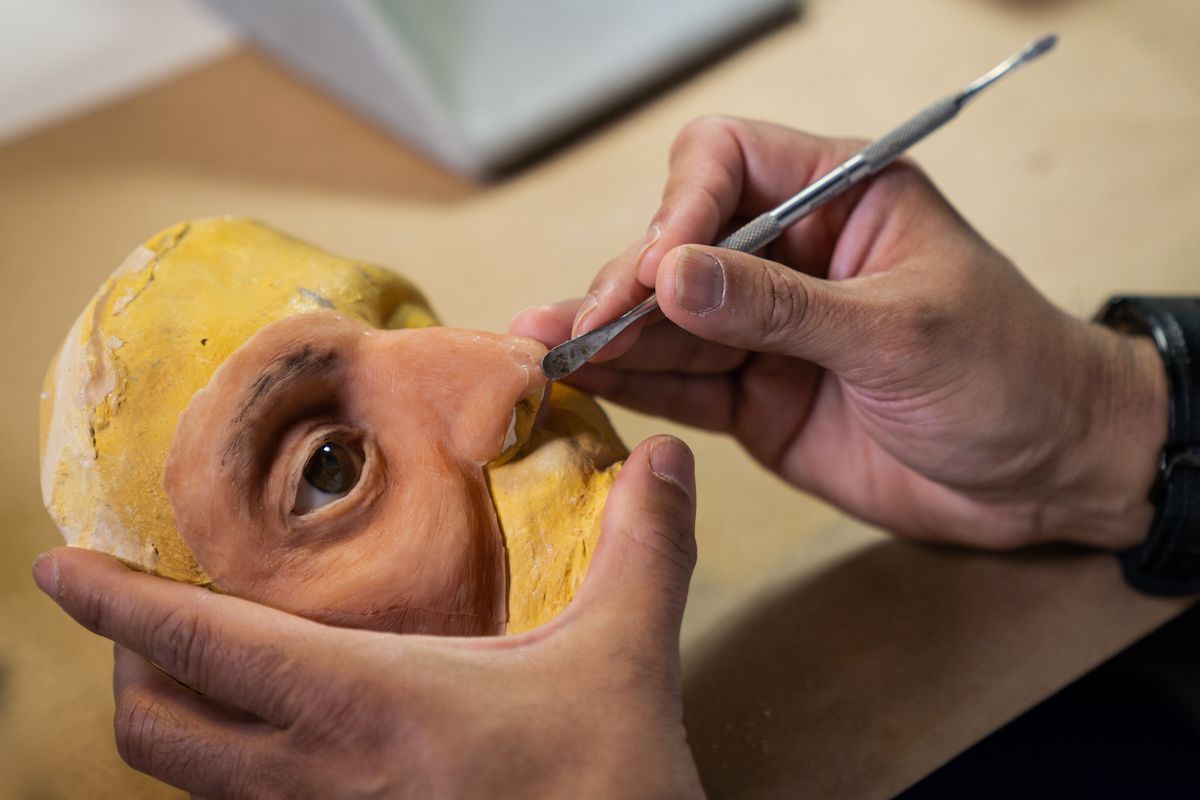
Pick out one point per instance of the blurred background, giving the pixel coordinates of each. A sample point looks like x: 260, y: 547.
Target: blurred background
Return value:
x: 63, y: 57
x: 477, y: 85
x: 498, y: 154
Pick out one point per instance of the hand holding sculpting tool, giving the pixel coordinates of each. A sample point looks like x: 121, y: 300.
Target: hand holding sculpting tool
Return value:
x: 765, y: 228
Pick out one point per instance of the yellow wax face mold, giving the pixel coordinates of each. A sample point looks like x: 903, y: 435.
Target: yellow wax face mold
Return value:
x: 239, y: 409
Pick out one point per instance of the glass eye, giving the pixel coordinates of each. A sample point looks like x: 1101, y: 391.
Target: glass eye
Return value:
x: 331, y: 472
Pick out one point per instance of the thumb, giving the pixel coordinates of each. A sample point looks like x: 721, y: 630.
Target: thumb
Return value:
x: 743, y: 301
x: 643, y: 563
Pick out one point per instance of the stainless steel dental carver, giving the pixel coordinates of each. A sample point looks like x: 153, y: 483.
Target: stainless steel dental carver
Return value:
x: 569, y: 356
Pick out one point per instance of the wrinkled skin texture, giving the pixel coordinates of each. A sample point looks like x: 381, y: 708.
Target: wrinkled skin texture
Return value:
x: 881, y: 354
x: 414, y: 545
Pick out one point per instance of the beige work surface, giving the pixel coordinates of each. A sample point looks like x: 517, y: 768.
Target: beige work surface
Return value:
x: 823, y: 659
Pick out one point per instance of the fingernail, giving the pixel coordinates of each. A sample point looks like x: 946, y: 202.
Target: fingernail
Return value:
x: 527, y: 309
x: 699, y: 281
x: 672, y: 461
x: 653, y: 234
x: 45, y: 574
x: 589, y: 305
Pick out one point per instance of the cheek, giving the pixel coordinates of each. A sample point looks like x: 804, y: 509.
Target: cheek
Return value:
x: 428, y: 558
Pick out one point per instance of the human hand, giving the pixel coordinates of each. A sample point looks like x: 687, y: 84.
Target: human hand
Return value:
x: 882, y: 355
x: 585, y: 706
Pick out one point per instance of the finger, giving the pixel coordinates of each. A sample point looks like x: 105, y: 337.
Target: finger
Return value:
x: 732, y: 403
x: 722, y: 167
x: 661, y: 347
x: 701, y: 193
x: 638, y: 580
x: 748, y: 302
x: 231, y: 649
x: 665, y: 347
x: 549, y: 324
x: 170, y: 732
x: 615, y: 289
x: 719, y: 167
x: 645, y: 379
x: 701, y: 401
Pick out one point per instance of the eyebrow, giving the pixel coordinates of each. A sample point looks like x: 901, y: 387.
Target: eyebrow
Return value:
x: 281, y: 374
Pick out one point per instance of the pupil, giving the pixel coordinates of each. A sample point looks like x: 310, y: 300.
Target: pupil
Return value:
x: 330, y: 469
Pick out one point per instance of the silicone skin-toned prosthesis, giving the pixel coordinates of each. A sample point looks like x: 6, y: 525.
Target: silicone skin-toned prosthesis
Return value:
x: 238, y: 409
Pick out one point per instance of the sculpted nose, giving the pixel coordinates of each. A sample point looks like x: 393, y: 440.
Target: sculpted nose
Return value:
x: 480, y: 389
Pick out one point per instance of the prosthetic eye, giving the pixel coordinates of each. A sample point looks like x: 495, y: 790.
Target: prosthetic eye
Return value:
x: 330, y: 473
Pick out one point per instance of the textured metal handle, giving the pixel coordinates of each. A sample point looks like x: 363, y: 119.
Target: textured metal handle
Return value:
x: 884, y: 150
x: 765, y: 228
x: 754, y: 235
x: 568, y: 356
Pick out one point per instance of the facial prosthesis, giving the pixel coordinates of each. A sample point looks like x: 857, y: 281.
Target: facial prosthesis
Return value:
x: 239, y: 409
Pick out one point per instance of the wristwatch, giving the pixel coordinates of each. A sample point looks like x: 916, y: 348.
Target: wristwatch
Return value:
x: 1168, y: 561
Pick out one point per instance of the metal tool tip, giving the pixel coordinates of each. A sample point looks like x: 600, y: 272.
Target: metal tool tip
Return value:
x: 1042, y: 46
x: 1031, y: 51
x: 556, y: 364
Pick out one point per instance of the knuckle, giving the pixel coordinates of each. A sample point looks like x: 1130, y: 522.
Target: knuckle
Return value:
x: 281, y: 677
x: 679, y: 546
x: 927, y: 321
x: 698, y: 204
x: 929, y: 318
x: 669, y: 544
x: 699, y: 129
x: 664, y: 533
x: 137, y: 727
x: 784, y: 305
x: 94, y: 611
x: 150, y: 738
x: 184, y: 638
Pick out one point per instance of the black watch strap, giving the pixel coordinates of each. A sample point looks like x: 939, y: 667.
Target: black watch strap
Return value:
x: 1168, y: 562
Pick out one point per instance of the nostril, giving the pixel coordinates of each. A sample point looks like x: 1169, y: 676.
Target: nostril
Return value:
x: 510, y: 437
x: 543, y: 412
x: 526, y: 415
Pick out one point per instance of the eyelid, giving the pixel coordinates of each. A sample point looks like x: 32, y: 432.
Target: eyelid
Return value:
x: 348, y: 438
x: 339, y: 517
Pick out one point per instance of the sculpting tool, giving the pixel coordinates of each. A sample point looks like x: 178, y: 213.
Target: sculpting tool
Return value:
x: 765, y: 228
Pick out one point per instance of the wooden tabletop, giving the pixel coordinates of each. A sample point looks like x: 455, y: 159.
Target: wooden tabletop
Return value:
x: 822, y: 657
